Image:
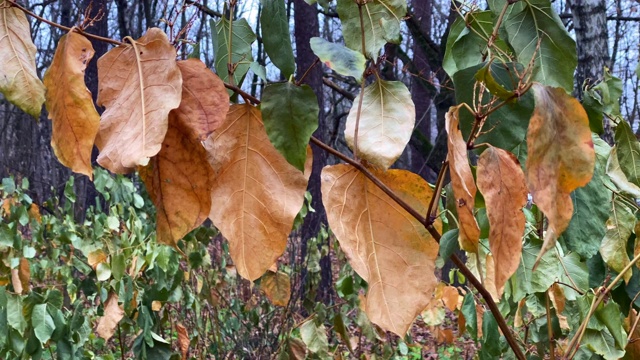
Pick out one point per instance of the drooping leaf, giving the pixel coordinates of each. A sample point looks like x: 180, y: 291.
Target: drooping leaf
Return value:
x: 256, y: 194
x: 618, y: 177
x: 468, y: 310
x: 386, y: 122
x: 602, y: 343
x: 42, y: 322
x: 590, y: 208
x: 205, y: 101
x: 277, y: 287
x: 464, y: 187
x: 561, y: 157
x: 19, y: 81
x: 628, y: 152
x: 338, y: 58
x: 502, y: 183
x: 529, y: 281
x: 179, y: 181
x: 535, y: 31
x: 183, y: 340
x: 15, y: 318
x: 277, y: 44
x: 576, y: 273
x: 611, y: 316
x: 315, y: 337
x: 113, y: 313
x: 381, y: 19
x: 137, y: 104
x: 610, y: 89
x: 290, y: 115
x: 467, y: 42
x: 506, y: 127
x: 242, y: 36
x: 385, y: 245
x: 632, y: 351
x: 620, y: 226
x: 75, y: 120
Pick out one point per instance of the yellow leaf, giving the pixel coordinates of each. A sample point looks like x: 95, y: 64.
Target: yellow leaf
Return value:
x: 75, y: 120
x: 138, y: 84
x: 560, y: 157
x: 113, y: 313
x: 18, y: 77
x: 256, y: 193
x: 205, y: 100
x: 156, y: 305
x: 385, y: 245
x: 502, y: 183
x: 179, y: 181
x: 20, y: 277
x: 183, y: 340
x: 96, y: 257
x: 34, y: 212
x: 464, y: 188
x: 277, y: 287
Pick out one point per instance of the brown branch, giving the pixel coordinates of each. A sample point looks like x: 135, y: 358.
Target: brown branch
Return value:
x: 338, y: 89
x: 204, y: 9
x: 56, y: 25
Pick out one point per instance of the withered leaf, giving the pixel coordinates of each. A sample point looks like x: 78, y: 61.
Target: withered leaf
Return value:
x: 205, y: 101
x: 138, y: 84
x: 75, y: 120
x: 256, y: 193
x: 183, y: 340
x: 385, y: 245
x: 19, y: 81
x: 179, y: 181
x: 561, y: 157
x: 502, y: 183
x: 464, y: 187
x: 113, y: 313
x: 277, y: 287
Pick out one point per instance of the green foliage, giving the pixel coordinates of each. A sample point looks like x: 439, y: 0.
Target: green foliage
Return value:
x: 232, y: 44
x: 273, y: 21
x: 339, y: 58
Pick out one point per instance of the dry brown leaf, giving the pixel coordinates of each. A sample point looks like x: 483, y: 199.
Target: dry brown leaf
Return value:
x: 179, y: 181
x: 517, y: 321
x: 277, y: 287
x: 7, y: 203
x: 138, y: 84
x: 183, y: 340
x: 75, y: 120
x: 156, y: 305
x: 297, y: 349
x: 556, y: 295
x: 385, y: 245
x: 636, y: 250
x: 489, y: 277
x: 464, y: 187
x: 113, y: 313
x: 96, y: 257
x: 205, y: 100
x: 632, y: 351
x: 256, y: 194
x: 450, y: 297
x: 21, y: 276
x: 560, y: 157
x: 19, y: 80
x: 34, y: 213
x: 502, y: 183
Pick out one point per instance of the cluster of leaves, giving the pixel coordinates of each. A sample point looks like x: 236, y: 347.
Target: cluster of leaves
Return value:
x: 246, y: 167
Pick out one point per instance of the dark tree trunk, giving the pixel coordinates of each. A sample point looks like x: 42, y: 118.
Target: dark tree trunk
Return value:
x: 306, y: 27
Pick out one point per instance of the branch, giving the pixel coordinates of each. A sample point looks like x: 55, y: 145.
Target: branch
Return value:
x: 609, y: 18
x: 204, y: 9
x: 338, y: 89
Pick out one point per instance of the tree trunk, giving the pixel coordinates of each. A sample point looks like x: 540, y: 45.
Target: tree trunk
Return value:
x: 306, y: 27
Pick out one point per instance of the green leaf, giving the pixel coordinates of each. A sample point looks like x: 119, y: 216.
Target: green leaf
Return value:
x: 467, y: 42
x: 315, y: 337
x: 118, y: 266
x: 449, y: 243
x: 535, y: 31
x: 259, y: 70
x: 339, y: 58
x: 468, y: 309
x: 618, y: 177
x: 527, y: 281
x: 341, y: 329
x: 381, y: 19
x: 590, y: 211
x: 620, y: 225
x: 386, y: 122
x: 594, y: 108
x: 277, y: 44
x: 611, y: 90
x: 490, y: 336
x: 506, y: 127
x: 611, y: 316
x: 484, y: 75
x: 103, y: 271
x: 241, y: 40
x: 42, y: 322
x: 15, y: 318
x: 602, y: 343
x: 290, y: 115
x: 628, y: 152
x: 576, y: 274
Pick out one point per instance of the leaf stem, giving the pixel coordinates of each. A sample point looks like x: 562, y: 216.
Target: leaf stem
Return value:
x: 361, y: 96
x: 307, y: 71
x: 552, y: 351
x: 230, y: 67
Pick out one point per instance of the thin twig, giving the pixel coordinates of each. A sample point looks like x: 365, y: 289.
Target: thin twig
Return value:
x: 307, y: 71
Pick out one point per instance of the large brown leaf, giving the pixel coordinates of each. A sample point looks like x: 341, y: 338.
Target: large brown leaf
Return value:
x: 256, y: 194
x: 179, y: 181
x: 205, y: 101
x: 18, y: 78
x: 70, y: 105
x: 502, y: 183
x: 464, y: 187
x: 113, y: 313
x: 139, y: 83
x: 385, y: 245
x: 560, y: 157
